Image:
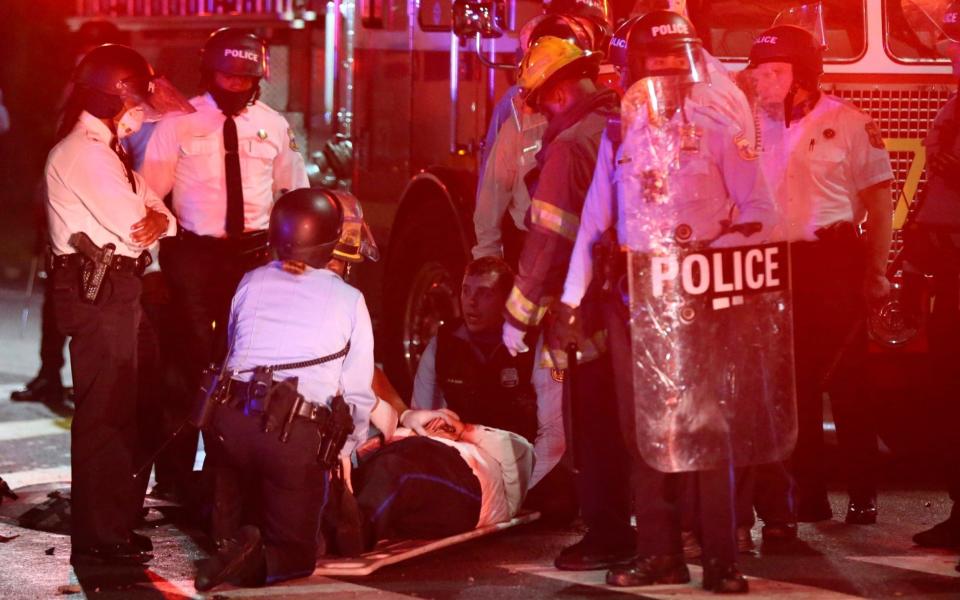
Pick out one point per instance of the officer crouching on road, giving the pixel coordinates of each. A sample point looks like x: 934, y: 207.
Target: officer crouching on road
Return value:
x: 102, y: 219
x: 296, y: 398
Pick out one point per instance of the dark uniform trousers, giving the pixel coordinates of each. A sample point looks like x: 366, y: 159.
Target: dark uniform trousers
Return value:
x: 830, y: 343
x: 276, y: 486
x: 600, y: 457
x: 103, y: 353
x: 658, y: 501
x: 51, y: 340
x: 203, y: 274
x: 416, y: 488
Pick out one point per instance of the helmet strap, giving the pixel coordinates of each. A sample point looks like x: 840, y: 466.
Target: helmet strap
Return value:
x: 788, y: 102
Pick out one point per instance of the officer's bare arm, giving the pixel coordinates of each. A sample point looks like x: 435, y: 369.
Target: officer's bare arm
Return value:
x: 879, y: 229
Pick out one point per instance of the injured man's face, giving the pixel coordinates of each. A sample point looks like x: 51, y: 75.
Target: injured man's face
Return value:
x: 451, y: 431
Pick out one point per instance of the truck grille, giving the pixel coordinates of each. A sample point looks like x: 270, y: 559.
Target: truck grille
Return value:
x: 904, y: 114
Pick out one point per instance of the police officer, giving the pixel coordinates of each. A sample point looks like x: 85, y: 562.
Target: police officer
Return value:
x: 225, y: 164
x: 466, y: 369
x: 932, y: 246
x: 558, y: 80
x: 717, y: 173
x: 102, y: 218
x: 281, y: 420
x: 830, y: 170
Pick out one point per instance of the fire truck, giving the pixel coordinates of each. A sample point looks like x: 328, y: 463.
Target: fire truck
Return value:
x: 391, y: 98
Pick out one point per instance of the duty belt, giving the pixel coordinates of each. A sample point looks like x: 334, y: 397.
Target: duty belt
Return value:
x: 121, y: 264
x: 242, y: 399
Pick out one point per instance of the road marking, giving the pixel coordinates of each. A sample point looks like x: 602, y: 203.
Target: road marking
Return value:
x: 933, y: 564
x: 34, y: 476
x: 760, y: 588
x: 18, y: 430
x: 313, y: 586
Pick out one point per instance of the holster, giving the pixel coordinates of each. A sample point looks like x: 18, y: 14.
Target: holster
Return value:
x: 610, y: 263
x: 213, y: 391
x: 333, y: 436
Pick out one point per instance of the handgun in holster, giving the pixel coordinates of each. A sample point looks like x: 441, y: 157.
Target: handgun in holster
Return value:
x: 214, y: 391
x: 609, y: 263
x: 94, y: 269
x: 334, y: 434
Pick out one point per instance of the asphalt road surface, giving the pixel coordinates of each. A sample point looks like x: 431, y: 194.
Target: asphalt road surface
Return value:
x: 832, y: 560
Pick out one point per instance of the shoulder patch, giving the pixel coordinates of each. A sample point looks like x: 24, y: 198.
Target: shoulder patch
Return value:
x: 876, y: 138
x: 744, y: 147
x: 293, y: 140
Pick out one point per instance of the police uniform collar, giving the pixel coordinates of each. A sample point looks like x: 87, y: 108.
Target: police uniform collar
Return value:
x: 97, y: 130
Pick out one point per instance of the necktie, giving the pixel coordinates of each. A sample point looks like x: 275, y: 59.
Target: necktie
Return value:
x: 127, y: 161
x: 231, y: 145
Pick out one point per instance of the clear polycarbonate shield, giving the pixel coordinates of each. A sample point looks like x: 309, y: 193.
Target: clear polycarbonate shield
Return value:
x: 711, y: 328
x: 163, y: 98
x: 926, y: 20
x: 805, y: 16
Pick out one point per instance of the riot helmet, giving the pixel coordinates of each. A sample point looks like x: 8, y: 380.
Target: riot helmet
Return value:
x: 951, y: 22
x: 663, y: 43
x: 794, y: 45
x: 617, y: 52
x: 235, y: 52
x: 305, y: 226
x: 111, y: 75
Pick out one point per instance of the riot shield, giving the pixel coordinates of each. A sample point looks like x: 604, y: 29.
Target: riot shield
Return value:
x: 711, y: 328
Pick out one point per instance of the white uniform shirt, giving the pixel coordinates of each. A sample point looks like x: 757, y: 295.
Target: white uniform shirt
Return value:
x: 88, y: 191
x: 278, y: 317
x: 719, y: 177
x: 500, y: 460
x: 185, y: 155
x: 550, y: 442
x: 818, y: 166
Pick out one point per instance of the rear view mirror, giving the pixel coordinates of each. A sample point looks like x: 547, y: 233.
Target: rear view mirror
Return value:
x: 482, y: 18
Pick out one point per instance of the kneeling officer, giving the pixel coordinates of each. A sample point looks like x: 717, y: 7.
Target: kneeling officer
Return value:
x: 294, y: 396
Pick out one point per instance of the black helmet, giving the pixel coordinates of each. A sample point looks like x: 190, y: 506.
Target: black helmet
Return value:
x: 588, y: 33
x: 660, y: 33
x: 235, y: 52
x: 790, y: 44
x: 305, y: 225
x: 109, y: 74
x: 951, y: 21
x: 617, y: 53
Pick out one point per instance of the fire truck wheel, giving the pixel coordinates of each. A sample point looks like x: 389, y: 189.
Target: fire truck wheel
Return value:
x: 421, y: 292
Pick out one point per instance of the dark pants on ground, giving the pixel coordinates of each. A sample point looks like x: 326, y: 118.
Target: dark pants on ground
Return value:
x: 203, y: 274
x: 657, y: 501
x: 103, y: 352
x: 600, y: 456
x: 416, y: 488
x: 51, y: 340
x: 769, y: 488
x: 276, y: 486
x: 830, y: 350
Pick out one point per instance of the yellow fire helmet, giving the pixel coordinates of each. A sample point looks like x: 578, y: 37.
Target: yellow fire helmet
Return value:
x: 549, y: 57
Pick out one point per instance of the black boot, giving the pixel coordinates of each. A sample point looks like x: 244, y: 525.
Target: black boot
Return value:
x: 42, y: 388
x: 941, y: 535
x: 723, y: 578
x: 862, y: 511
x: 239, y: 559
x: 650, y: 570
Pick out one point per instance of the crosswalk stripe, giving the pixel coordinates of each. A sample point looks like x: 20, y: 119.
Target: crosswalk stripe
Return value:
x: 35, y: 476
x: 18, y: 430
x: 760, y: 589
x: 314, y: 586
x: 934, y: 564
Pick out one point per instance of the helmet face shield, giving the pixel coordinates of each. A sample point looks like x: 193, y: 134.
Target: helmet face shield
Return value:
x: 356, y: 242
x: 163, y: 98
x: 685, y: 63
x: 659, y: 97
x: 808, y: 17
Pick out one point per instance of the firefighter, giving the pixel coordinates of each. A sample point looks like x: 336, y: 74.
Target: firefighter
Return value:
x: 932, y: 246
x: 102, y: 219
x: 225, y: 164
x: 716, y: 172
x: 830, y: 170
x: 509, y: 150
x: 298, y: 400
x: 557, y: 79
